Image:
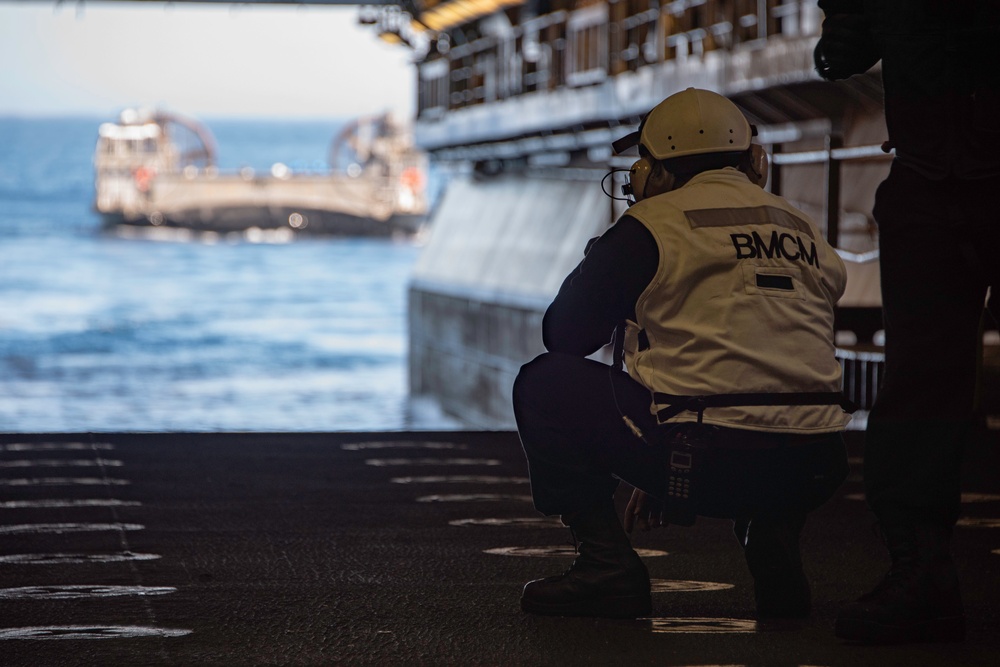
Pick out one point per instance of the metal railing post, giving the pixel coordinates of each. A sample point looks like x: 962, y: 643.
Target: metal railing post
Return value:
x: 775, y: 167
x: 833, y: 142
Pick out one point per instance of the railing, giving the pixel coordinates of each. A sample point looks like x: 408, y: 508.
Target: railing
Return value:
x: 585, y: 46
x: 832, y: 156
x: 863, y: 363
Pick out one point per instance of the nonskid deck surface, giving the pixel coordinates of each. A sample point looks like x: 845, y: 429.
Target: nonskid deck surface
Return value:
x: 396, y: 549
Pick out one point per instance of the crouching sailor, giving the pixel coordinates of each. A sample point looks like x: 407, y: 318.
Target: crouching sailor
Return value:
x: 720, y: 297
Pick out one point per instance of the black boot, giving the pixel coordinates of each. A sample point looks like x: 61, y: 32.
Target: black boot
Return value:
x: 607, y: 579
x: 918, y: 600
x: 771, y: 548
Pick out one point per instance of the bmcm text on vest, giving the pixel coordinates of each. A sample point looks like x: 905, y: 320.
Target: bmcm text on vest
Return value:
x: 780, y: 246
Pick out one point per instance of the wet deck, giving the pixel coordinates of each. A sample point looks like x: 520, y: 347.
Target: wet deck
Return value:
x: 393, y: 549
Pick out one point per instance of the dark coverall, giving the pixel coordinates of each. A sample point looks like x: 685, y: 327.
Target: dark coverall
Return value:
x: 569, y: 411
x: 939, y: 231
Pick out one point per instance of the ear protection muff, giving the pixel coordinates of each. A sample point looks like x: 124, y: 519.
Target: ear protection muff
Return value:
x: 638, y: 176
x: 757, y: 165
x: 648, y: 178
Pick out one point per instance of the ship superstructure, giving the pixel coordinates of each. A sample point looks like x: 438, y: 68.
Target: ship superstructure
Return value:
x: 521, y: 101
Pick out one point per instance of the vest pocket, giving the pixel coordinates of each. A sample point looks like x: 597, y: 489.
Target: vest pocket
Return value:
x: 781, y: 282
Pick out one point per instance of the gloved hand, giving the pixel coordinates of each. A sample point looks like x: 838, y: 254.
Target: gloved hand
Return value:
x: 847, y: 47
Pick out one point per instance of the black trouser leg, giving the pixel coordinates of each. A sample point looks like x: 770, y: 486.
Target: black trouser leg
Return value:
x: 771, y: 547
x: 933, y: 289
x: 574, y: 437
x: 567, y: 411
x: 937, y: 245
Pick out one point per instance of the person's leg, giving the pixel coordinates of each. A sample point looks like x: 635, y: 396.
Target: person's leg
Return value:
x: 923, y: 415
x: 569, y: 412
x: 933, y: 294
x: 574, y: 438
x: 771, y: 548
x: 781, y: 486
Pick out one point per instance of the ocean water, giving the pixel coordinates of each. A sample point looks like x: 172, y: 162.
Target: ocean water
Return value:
x: 104, y: 333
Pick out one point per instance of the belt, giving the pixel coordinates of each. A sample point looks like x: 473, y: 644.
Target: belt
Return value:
x: 678, y: 404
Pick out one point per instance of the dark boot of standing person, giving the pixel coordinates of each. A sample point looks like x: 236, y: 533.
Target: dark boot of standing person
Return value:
x: 771, y: 548
x: 607, y: 579
x: 919, y: 599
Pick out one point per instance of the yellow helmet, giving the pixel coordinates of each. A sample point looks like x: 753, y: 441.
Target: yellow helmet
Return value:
x: 693, y: 122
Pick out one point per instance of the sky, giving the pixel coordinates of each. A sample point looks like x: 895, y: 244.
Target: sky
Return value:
x: 93, y: 58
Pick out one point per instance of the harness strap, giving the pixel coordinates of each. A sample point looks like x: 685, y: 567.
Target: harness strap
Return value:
x: 678, y: 404
x: 618, y: 346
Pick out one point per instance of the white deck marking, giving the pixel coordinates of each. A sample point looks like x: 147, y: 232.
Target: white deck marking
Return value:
x: 470, y: 497
x: 88, y: 502
x: 459, y: 479
x: 57, y: 446
x: 966, y: 497
x: 359, y: 446
x: 560, y: 550
x: 978, y: 522
x: 61, y: 463
x: 79, y: 591
x: 678, y: 586
x: 73, y: 559
x: 980, y: 497
x: 64, y: 481
x: 60, y: 528
x: 524, y: 522
x: 702, y: 625
x: 432, y: 462
x: 52, y: 632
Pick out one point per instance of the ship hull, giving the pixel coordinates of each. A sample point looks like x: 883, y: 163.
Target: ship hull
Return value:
x: 231, y: 203
x: 238, y: 219
x: 497, y: 253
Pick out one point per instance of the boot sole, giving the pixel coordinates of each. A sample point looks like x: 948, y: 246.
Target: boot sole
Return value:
x: 606, y: 607
x: 938, y: 630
